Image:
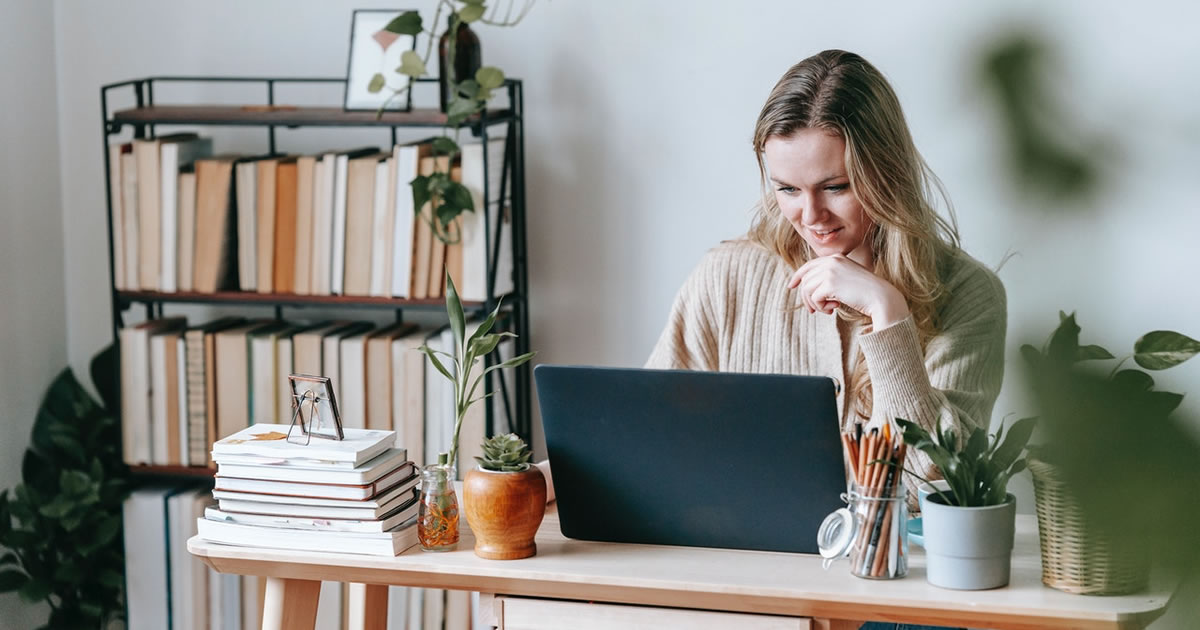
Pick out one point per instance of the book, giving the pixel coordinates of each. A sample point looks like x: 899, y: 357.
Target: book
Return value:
x: 189, y: 575
x: 331, y: 359
x: 199, y: 376
x: 264, y: 375
x: 183, y: 443
x: 129, y: 215
x: 389, y: 543
x: 246, y: 207
x: 264, y: 227
x: 408, y: 393
x: 305, y: 195
x: 475, y: 238
x: 232, y: 377
x: 378, y: 378
x: 164, y: 395
x: 322, y: 231
x: 454, y: 251
x: 267, y: 440
x: 175, y: 153
x: 341, y: 192
x: 216, y: 264
x: 147, y: 558
x: 368, y: 490
x: 261, y: 503
x: 436, y: 285
x: 438, y: 390
x: 383, y: 228
x: 395, y: 519
x: 137, y: 388
x: 308, y: 348
x: 352, y: 388
x: 116, y: 210
x: 185, y: 268
x: 360, y: 209
x: 404, y: 246
x: 286, y: 191
x: 310, y: 471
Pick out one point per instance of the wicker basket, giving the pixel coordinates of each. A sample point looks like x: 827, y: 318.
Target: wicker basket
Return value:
x: 1076, y: 558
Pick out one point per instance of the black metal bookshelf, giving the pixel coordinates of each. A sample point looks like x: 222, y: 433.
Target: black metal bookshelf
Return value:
x: 146, y: 114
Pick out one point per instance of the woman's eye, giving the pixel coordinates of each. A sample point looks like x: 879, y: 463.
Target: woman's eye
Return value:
x: 786, y: 190
x: 837, y: 188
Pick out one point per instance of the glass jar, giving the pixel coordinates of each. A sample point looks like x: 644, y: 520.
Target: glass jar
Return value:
x: 468, y: 58
x: 437, y: 520
x: 872, y: 530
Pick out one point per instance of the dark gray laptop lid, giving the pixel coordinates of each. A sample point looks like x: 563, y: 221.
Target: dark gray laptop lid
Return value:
x: 710, y: 459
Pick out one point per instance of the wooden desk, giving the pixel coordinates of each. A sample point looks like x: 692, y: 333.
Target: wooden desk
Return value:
x: 785, y: 585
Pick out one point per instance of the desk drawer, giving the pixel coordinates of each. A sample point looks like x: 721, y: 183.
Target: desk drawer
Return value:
x: 520, y: 613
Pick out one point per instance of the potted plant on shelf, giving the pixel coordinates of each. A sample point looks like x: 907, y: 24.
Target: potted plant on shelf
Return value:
x: 968, y: 530
x: 1079, y: 402
x: 437, y: 522
x: 504, y: 498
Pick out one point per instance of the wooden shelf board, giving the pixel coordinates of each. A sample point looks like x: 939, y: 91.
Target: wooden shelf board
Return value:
x: 285, y: 299
x: 178, y: 471
x: 290, y: 116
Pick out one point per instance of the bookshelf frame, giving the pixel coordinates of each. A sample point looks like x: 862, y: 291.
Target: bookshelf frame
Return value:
x: 147, y: 114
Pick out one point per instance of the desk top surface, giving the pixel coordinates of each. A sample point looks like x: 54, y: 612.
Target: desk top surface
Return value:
x: 719, y: 579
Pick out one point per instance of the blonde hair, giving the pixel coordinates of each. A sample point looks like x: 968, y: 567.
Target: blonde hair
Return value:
x: 840, y: 92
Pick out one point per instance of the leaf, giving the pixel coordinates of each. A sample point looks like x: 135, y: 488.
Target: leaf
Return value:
x: 470, y: 13
x: 1162, y: 349
x: 12, y: 580
x: 376, y: 84
x: 436, y: 364
x: 460, y: 109
x: 1018, y: 436
x: 469, y: 88
x: 1161, y: 404
x: 9, y: 558
x: 460, y: 196
x: 1093, y: 353
x: 112, y: 579
x: 486, y: 326
x: 454, y: 310
x: 420, y: 192
x: 1133, y: 380
x: 34, y: 591
x: 1064, y: 342
x: 407, y: 23
x: 483, y: 345
x: 513, y: 362
x: 411, y: 64
x: 443, y: 145
x: 1032, y: 356
x: 489, y: 77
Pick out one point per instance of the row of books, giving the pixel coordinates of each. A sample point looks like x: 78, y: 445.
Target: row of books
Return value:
x: 184, y: 387
x: 169, y: 589
x: 334, y: 223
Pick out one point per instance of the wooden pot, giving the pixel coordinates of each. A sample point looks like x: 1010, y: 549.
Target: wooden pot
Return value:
x: 504, y: 510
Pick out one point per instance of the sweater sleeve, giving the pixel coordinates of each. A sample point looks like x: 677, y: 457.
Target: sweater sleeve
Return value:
x: 689, y: 341
x: 955, y: 381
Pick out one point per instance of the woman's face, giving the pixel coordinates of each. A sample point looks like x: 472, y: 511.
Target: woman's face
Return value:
x: 808, y: 172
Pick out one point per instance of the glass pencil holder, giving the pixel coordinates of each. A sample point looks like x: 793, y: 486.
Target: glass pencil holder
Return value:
x: 437, y: 517
x: 871, y: 531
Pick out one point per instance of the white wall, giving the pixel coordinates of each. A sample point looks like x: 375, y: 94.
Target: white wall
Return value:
x: 33, y: 343
x: 639, y: 117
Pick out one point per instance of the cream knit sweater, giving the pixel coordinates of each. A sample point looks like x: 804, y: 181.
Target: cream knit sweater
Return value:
x: 736, y: 314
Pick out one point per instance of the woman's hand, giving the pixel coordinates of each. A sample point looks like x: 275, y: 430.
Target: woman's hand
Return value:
x: 828, y: 281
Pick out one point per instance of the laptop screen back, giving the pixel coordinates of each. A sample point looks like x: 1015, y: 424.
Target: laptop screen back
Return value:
x: 709, y: 459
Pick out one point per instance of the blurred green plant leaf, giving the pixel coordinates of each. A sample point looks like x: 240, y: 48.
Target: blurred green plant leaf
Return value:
x: 1093, y: 353
x: 470, y: 13
x: 489, y: 77
x: 407, y: 23
x: 1133, y: 380
x: 376, y: 84
x: 1163, y: 349
x: 411, y: 64
x: 445, y: 146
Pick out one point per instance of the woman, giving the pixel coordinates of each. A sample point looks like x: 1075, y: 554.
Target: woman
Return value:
x: 847, y: 270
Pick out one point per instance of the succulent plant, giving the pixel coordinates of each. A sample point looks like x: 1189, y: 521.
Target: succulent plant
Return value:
x: 504, y: 453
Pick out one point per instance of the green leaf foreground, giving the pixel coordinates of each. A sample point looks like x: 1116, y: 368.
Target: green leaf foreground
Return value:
x: 376, y: 84
x: 979, y: 472
x: 407, y: 23
x: 467, y: 353
x: 1164, y: 349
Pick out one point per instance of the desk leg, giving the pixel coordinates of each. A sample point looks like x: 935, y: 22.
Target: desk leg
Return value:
x: 290, y: 604
x: 368, y: 607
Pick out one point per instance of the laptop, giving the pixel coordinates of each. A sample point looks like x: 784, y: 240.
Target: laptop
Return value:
x: 703, y: 459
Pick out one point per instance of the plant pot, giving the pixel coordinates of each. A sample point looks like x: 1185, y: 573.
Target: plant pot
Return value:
x: 968, y: 548
x: 1076, y: 557
x: 504, y: 510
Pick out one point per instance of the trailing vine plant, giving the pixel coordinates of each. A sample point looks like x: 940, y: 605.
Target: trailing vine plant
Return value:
x: 469, y: 96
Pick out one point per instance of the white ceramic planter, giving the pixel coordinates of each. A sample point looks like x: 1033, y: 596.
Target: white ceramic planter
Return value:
x: 969, y: 548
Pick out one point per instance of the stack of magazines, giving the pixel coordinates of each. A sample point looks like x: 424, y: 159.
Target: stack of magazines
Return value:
x: 356, y: 495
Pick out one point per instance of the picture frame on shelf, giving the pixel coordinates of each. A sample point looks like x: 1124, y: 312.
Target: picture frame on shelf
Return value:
x: 373, y: 58
x: 322, y: 419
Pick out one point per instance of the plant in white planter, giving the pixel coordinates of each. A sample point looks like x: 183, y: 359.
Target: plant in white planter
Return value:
x: 504, y: 498
x: 969, y: 529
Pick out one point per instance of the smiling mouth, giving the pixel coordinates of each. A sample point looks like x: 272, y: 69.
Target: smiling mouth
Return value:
x: 825, y: 235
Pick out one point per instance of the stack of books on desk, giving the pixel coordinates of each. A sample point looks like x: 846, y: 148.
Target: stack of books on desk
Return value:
x: 357, y: 495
